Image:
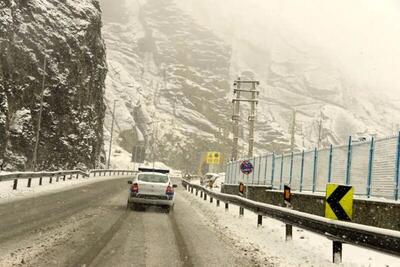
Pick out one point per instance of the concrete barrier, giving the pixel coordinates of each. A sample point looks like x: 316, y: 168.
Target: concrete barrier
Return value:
x: 378, y: 213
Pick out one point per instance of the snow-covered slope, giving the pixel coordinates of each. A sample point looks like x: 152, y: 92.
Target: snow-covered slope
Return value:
x: 172, y: 77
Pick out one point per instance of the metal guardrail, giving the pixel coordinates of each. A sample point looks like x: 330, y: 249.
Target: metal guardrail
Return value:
x: 339, y: 232
x: 15, y: 176
x: 104, y: 172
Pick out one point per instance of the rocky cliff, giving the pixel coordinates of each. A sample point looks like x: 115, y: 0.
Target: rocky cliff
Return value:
x: 69, y: 33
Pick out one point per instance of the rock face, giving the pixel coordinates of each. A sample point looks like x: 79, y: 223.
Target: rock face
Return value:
x: 69, y: 32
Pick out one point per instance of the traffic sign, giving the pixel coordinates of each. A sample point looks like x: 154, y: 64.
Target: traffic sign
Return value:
x: 246, y: 167
x: 286, y: 194
x: 339, y: 202
x: 213, y: 157
x: 242, y: 188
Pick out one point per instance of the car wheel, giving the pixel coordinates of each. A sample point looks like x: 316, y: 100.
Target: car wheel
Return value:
x: 167, y: 209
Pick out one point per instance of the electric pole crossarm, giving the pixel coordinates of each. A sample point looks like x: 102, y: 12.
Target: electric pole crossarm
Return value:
x: 243, y: 90
x: 243, y: 81
x: 245, y: 100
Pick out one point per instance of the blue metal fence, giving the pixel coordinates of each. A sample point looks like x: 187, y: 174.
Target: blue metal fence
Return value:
x: 372, y: 167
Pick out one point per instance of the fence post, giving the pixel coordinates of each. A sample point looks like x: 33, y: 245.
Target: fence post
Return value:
x: 266, y: 168
x: 51, y: 179
x: 64, y: 177
x: 291, y: 169
x: 259, y: 169
x: 330, y: 163
x: 29, y: 182
x: 281, y: 174
x: 370, y: 163
x: 273, y: 169
x: 252, y: 173
x: 40, y: 180
x: 302, y: 171
x: 396, y: 193
x: 348, y: 169
x: 315, y: 170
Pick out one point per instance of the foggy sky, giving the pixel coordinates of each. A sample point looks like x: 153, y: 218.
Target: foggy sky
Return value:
x: 361, y: 37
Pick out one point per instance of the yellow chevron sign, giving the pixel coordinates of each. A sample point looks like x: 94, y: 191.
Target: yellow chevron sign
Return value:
x: 339, y: 202
x: 213, y: 157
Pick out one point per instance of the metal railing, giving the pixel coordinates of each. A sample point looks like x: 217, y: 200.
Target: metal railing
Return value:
x: 372, y: 167
x: 339, y: 232
x: 58, y: 175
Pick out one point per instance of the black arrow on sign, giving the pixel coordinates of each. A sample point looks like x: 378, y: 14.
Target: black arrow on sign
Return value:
x: 334, y: 199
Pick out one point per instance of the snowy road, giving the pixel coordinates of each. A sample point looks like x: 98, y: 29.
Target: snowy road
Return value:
x: 90, y: 226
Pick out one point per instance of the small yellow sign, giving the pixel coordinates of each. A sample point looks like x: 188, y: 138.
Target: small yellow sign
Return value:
x: 339, y: 202
x: 213, y: 157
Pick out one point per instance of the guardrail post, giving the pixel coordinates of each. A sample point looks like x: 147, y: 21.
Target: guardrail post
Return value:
x: 70, y: 177
x: 348, y: 169
x: 337, y: 252
x: 397, y: 176
x: 15, y: 184
x: 330, y: 163
x: 314, y: 185
x: 226, y: 206
x: 241, y: 211
x: 191, y: 190
x: 94, y: 174
x: 288, y: 232
x: 64, y: 176
x: 110, y: 173
x: 302, y: 171
x: 259, y: 220
x: 291, y: 169
x: 29, y: 182
x: 273, y: 168
x: 77, y: 176
x: 217, y: 202
x: 197, y: 191
x: 211, y: 199
x: 51, y: 179
x: 57, y: 178
x: 40, y: 180
x: 281, y: 174
x: 205, y: 196
x: 370, y: 166
x: 201, y: 194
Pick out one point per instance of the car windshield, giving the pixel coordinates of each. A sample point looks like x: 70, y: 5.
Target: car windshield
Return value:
x: 153, y: 178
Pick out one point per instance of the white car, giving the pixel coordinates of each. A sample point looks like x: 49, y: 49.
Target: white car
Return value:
x: 151, y: 187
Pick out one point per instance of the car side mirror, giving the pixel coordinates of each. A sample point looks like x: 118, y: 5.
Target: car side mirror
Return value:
x: 129, y: 182
x: 174, y: 185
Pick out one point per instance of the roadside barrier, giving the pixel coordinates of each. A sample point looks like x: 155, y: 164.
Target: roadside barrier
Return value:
x: 59, y: 175
x: 339, y: 232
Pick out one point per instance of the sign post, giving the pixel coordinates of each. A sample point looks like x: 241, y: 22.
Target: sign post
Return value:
x: 338, y: 206
x: 287, y: 198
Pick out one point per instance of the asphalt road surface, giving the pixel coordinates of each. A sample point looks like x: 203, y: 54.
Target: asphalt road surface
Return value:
x: 90, y: 226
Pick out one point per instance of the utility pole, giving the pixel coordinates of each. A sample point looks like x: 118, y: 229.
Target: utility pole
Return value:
x: 252, y: 118
x: 236, y: 113
x: 319, y: 132
x: 235, y: 119
x: 111, y: 137
x: 40, y: 113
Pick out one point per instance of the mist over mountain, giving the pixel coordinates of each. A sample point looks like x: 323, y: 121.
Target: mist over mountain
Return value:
x: 174, y: 62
